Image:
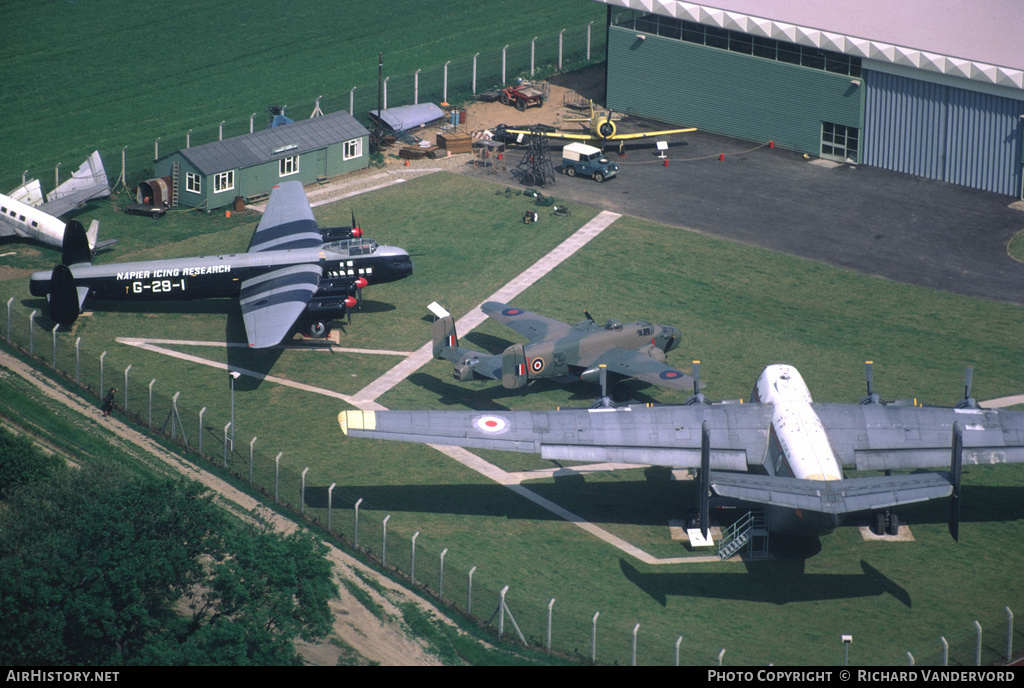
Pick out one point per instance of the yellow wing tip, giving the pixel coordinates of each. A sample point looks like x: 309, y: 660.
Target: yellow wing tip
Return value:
x: 357, y: 420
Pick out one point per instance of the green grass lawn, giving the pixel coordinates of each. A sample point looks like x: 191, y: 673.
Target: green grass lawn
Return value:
x: 740, y: 308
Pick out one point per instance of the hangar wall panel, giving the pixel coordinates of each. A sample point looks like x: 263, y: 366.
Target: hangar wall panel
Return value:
x: 941, y: 132
x: 726, y: 92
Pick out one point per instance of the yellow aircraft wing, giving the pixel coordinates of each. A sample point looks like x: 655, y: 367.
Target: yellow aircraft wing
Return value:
x: 648, y: 134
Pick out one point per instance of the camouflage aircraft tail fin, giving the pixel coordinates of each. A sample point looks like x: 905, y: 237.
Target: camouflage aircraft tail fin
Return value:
x: 513, y: 367
x: 445, y: 336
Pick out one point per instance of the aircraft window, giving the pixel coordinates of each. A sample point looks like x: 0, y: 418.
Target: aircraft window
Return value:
x: 3, y: 210
x: 21, y: 218
x: 646, y: 332
x: 34, y: 223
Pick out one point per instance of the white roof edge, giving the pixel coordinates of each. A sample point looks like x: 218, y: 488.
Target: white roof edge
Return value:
x: 850, y: 45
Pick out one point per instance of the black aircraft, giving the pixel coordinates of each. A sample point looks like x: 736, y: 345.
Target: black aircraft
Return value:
x: 294, y: 275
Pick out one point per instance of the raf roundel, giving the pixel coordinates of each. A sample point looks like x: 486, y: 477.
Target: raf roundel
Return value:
x: 491, y: 424
x: 670, y: 375
x: 513, y: 311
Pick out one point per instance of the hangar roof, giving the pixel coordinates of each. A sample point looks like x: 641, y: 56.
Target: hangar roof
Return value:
x: 265, y: 145
x: 976, y: 39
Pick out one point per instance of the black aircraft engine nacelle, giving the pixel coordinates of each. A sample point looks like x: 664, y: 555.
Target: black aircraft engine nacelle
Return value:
x: 343, y: 286
x: 340, y: 233
x: 63, y: 296
x: 328, y: 308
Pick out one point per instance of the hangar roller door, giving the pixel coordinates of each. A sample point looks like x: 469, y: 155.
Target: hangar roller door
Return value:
x: 941, y: 132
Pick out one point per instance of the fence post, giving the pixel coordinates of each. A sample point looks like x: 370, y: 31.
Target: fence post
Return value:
x: 356, y: 537
x: 412, y: 564
x: 504, y: 80
x: 440, y: 576
x: 636, y: 629
x: 469, y: 594
x: 277, y: 475
x: 9, y: 302
x: 384, y: 541
x: 560, y: 35
x: 352, y: 102
x: 444, y: 96
x: 1009, y: 633
x: 226, y: 428
x: 501, y: 612
x: 593, y: 637
x: 679, y: 640
x: 945, y: 651
x: 533, y: 53
x: 53, y: 362
x: 302, y: 491
x: 416, y: 87
x: 588, y: 40
x: 201, y: 412
x: 78, y: 361
x: 102, y: 356
x: 32, y: 334
x: 330, y: 504
x: 550, y: 605
x: 977, y: 647
x: 151, y: 383
x: 126, y: 388
x: 251, y: 443
x: 474, y: 72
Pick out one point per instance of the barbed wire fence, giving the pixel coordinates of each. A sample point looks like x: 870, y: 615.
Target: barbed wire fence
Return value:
x: 541, y: 620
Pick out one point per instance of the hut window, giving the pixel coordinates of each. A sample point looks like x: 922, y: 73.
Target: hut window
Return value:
x: 193, y: 183
x: 224, y: 181
x: 353, y: 149
x: 289, y: 166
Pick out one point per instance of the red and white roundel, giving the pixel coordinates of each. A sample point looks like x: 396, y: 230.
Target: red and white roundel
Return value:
x: 491, y: 424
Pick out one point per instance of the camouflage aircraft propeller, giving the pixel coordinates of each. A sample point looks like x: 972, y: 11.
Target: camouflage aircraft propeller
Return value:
x: 294, y: 274
x: 586, y: 350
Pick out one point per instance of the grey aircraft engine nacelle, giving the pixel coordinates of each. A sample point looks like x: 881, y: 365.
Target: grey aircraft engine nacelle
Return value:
x: 463, y: 370
x: 654, y: 352
x: 513, y: 367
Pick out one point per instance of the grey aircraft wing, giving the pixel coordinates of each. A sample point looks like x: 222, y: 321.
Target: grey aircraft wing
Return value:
x: 533, y: 326
x: 274, y: 300
x: 287, y: 221
x: 659, y: 435
x: 885, y: 437
x: 633, y: 363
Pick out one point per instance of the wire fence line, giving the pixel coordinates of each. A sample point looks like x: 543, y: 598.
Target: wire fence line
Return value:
x: 551, y: 622
x: 454, y: 81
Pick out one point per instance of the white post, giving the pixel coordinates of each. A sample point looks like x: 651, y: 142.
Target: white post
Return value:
x: 469, y: 597
x: 277, y: 474
x: 679, y: 640
x: 503, y: 53
x: 356, y: 538
x: 151, y: 383
x: 385, y: 93
x: 188, y: 139
x: 593, y: 637
x: 201, y: 412
x: 636, y: 629
x: 251, y: 443
x: 474, y: 72
x: 445, y: 92
x: 156, y: 150
x: 588, y: 40
x: 440, y: 578
x: 250, y: 121
x: 416, y: 87
x: 330, y: 505
x: 220, y: 130
x: 550, y: 605
x: 126, y: 388
x: 412, y: 566
x: 560, y: 34
x: 533, y: 54
x: 302, y: 494
x: 352, y: 102
x: 384, y: 541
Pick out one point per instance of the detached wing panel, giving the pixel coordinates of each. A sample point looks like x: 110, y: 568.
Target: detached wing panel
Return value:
x: 530, y: 325
x: 632, y: 363
x: 664, y: 436
x: 885, y: 437
x: 287, y: 222
x: 272, y: 302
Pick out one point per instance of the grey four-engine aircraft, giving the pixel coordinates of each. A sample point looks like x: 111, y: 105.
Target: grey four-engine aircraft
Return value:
x: 294, y: 274
x: 557, y: 349
x: 782, y: 452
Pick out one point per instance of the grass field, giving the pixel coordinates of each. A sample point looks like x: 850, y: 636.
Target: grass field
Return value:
x: 93, y: 74
x: 739, y: 307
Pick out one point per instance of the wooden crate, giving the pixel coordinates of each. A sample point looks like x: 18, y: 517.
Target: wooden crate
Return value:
x: 455, y: 142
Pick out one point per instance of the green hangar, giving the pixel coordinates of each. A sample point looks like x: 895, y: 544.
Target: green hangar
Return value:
x: 933, y: 88
x: 212, y: 175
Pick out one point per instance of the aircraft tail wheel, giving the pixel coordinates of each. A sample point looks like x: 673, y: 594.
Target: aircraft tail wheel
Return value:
x: 318, y: 330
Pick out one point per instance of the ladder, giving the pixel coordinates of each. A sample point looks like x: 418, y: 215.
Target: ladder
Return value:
x: 750, y: 531
x: 174, y: 185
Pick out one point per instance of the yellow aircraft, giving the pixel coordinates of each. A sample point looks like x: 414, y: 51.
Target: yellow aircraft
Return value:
x: 599, y: 130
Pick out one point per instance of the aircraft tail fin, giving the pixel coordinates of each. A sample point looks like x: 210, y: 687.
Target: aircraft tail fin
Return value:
x: 92, y: 234
x: 75, y: 246
x: 444, y: 335
x: 513, y: 367
x: 64, y: 303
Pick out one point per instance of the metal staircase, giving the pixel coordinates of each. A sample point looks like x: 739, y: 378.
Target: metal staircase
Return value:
x: 750, y: 531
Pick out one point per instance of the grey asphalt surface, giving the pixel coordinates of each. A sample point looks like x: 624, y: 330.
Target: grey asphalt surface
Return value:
x: 919, y: 231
